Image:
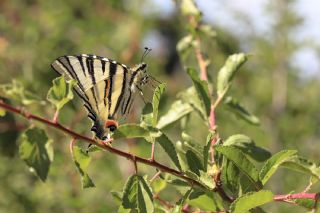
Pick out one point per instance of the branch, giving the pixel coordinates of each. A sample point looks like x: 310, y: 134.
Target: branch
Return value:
x: 312, y: 196
x: 77, y: 136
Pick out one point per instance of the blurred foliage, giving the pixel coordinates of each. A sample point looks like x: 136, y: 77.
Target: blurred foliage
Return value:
x: 35, y: 32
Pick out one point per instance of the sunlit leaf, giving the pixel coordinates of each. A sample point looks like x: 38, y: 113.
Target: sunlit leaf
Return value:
x: 207, y: 30
x: 130, y: 131
x: 82, y: 161
x: 206, y: 201
x: 248, y: 146
x: 188, y: 7
x: 61, y: 92
x: 302, y: 165
x: 177, y: 111
x: 201, y: 88
x: 227, y: 72
x: 158, y: 185
x: 207, y: 180
x: 147, y: 115
x: 185, y: 44
x: 16, y: 91
x: 240, y: 160
x: 33, y: 150
x: 155, y: 102
x: 240, y: 111
x: 251, y: 200
x: 270, y: 167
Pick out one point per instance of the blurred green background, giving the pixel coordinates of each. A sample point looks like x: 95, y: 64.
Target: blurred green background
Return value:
x: 35, y: 32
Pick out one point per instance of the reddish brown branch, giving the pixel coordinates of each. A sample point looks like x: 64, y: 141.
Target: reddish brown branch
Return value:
x: 77, y: 136
x: 312, y: 196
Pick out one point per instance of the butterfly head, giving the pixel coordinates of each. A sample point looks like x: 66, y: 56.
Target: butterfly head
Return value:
x: 103, y: 131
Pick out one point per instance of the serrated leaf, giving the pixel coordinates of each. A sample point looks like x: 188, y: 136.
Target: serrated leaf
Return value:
x: 241, y: 161
x: 194, y: 162
x: 177, y: 111
x: 188, y: 7
x: 248, y: 146
x: 145, y: 197
x: 137, y: 195
x: 302, y: 165
x: 34, y: 152
x: 61, y: 92
x: 16, y: 91
x: 206, y: 150
x: 155, y: 102
x: 170, y: 149
x: 230, y: 176
x: 180, y: 203
x: 273, y: 163
x: 82, y: 161
x: 240, y: 111
x: 130, y: 131
x: 227, y: 72
x: 129, y: 199
x: 251, y: 200
x: 202, y: 90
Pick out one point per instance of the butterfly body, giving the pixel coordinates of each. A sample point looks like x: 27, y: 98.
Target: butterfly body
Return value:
x: 106, y: 87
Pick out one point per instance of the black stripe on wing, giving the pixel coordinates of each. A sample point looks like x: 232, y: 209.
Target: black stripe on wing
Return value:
x: 112, y: 72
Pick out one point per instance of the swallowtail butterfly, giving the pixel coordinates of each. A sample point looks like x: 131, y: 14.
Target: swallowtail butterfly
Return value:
x: 106, y: 87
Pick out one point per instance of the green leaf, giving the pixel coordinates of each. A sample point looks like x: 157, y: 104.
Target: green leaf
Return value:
x: 130, y: 131
x: 190, y: 143
x: 248, y: 146
x: 177, y: 111
x: 270, y: 167
x: 33, y: 150
x: 158, y: 185
x: 117, y: 196
x: 206, y: 201
x: 147, y: 115
x: 207, y: 180
x: 184, y: 45
x: 227, y: 72
x: 188, y: 7
x: 206, y: 150
x: 145, y: 197
x: 207, y: 30
x: 180, y: 203
x: 302, y: 165
x: 190, y: 96
x: 16, y: 91
x: 155, y: 102
x: 2, y: 112
x: 137, y: 195
x: 239, y: 110
x: 61, y: 92
x: 251, y: 200
x: 201, y: 88
x: 169, y: 148
x: 194, y: 162
x: 82, y: 161
x: 129, y: 199
x: 230, y: 176
x: 241, y: 161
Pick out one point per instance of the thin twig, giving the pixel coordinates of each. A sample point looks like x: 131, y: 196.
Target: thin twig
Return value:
x: 155, y: 176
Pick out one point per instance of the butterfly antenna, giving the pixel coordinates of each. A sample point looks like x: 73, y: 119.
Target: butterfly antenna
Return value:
x: 147, y: 50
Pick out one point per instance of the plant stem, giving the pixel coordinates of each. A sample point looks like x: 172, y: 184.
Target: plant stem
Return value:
x: 312, y: 196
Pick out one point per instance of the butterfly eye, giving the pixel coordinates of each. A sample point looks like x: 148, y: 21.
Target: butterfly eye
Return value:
x: 112, y: 128
x: 104, y: 138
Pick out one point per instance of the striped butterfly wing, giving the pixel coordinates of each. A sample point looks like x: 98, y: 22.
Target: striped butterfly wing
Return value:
x: 103, y: 84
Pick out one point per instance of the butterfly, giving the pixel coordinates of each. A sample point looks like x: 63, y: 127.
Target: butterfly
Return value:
x: 107, y: 88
